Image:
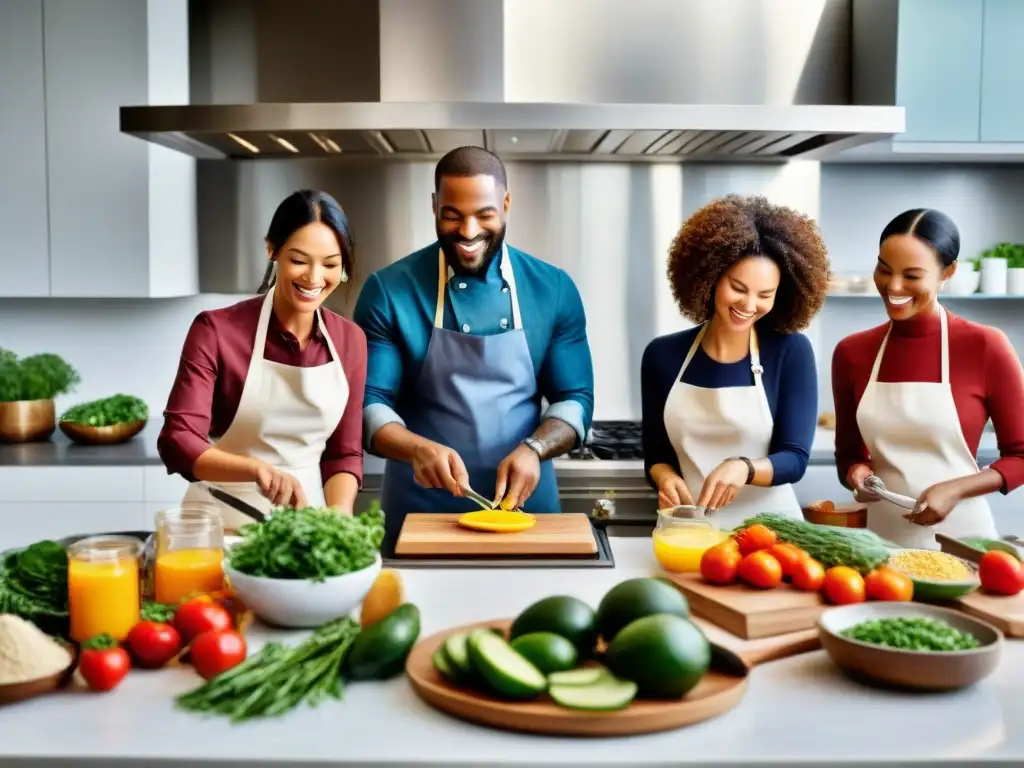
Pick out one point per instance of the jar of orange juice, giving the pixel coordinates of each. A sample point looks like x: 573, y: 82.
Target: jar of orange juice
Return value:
x: 189, y: 554
x: 681, y: 537
x: 104, y: 595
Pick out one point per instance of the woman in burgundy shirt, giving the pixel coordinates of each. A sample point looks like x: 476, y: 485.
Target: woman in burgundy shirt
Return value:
x: 267, y: 402
x: 912, y: 396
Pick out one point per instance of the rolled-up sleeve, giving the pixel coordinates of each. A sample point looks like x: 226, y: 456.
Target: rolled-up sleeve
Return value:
x: 567, y: 373
x: 374, y: 313
x: 185, y: 433
x: 796, y: 413
x: 344, y: 449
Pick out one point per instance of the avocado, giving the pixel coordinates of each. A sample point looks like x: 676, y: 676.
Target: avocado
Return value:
x: 380, y: 650
x: 547, y: 651
x: 634, y: 599
x: 605, y: 695
x: 561, y: 615
x: 504, y: 670
x: 665, y: 655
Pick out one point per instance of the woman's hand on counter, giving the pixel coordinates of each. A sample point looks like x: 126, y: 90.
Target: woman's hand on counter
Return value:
x: 722, y: 485
x: 280, y: 488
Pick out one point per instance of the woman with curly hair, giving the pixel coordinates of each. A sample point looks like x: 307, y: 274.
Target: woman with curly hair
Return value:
x: 730, y: 406
x: 913, y: 395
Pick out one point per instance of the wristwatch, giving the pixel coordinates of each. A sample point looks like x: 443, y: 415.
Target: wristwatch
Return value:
x: 750, y: 467
x: 534, y: 445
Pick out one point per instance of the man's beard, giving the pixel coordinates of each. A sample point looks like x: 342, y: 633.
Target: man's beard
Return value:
x: 492, y: 244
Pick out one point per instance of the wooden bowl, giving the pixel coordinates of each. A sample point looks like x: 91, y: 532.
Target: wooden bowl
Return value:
x: 886, y: 667
x: 14, y: 692
x: 27, y: 421
x: 827, y: 513
x: 112, y: 435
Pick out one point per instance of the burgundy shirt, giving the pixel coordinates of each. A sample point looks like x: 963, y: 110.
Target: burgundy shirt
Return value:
x: 984, y: 372
x: 213, y: 368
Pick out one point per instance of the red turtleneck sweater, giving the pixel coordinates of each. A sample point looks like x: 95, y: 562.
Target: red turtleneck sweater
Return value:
x: 985, y: 374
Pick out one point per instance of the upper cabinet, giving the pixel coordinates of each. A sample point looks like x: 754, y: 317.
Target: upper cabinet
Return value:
x: 952, y: 64
x: 24, y: 255
x: 118, y: 213
x: 1002, y: 72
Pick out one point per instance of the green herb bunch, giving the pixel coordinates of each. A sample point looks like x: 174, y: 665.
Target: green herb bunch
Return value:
x: 37, y: 377
x: 116, y: 409
x: 308, y: 543
x: 34, y: 586
x: 278, y: 678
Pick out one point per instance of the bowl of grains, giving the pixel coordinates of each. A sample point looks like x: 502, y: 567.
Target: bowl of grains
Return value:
x: 31, y: 662
x: 937, y: 576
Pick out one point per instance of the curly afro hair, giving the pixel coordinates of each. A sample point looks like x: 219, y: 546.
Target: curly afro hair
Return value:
x: 729, y: 229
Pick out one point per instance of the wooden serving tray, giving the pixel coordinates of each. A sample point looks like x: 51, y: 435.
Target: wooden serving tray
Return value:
x: 435, y: 534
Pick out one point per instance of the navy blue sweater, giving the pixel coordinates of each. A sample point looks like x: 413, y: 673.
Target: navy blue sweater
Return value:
x: 790, y: 381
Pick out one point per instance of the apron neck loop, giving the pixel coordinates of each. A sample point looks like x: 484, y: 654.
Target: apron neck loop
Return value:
x: 943, y: 342
x: 755, y: 351
x: 505, y: 265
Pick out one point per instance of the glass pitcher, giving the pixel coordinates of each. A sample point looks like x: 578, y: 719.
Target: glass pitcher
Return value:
x: 681, y: 537
x: 103, y: 586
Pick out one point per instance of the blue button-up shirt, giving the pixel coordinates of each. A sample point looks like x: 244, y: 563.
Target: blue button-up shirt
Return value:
x: 396, y: 311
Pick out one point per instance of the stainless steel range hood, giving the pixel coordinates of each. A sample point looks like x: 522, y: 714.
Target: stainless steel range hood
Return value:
x: 524, y: 78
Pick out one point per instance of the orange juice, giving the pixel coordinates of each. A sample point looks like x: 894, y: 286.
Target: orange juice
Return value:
x: 103, y: 597
x: 180, y: 573
x: 679, y: 548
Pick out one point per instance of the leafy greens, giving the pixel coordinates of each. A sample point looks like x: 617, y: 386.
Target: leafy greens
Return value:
x: 34, y: 585
x: 37, y: 377
x: 116, y: 409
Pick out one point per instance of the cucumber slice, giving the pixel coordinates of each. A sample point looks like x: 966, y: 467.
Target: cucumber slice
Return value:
x: 443, y: 667
x: 504, y: 670
x: 573, y: 677
x: 608, y: 694
x: 458, y: 656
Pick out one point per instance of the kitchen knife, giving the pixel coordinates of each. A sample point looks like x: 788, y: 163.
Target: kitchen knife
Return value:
x: 235, y: 503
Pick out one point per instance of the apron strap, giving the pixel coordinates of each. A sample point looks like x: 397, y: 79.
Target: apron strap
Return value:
x: 506, y: 272
x: 944, y: 337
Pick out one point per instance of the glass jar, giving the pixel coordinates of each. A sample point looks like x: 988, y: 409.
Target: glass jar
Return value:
x: 681, y: 537
x: 104, y: 594
x: 189, y: 554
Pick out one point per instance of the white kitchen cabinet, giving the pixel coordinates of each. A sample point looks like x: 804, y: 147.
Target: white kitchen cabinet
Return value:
x: 122, y: 219
x: 25, y: 254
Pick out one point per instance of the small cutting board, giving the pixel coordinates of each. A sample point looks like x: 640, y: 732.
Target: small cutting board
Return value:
x: 565, y: 535
x: 1004, y: 612
x: 751, y: 613
x: 763, y: 649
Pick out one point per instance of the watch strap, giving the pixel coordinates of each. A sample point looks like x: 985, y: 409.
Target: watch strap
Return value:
x: 750, y: 467
x: 534, y: 445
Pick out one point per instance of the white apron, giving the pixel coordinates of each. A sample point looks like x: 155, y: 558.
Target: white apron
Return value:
x: 285, y: 417
x: 708, y: 426
x: 913, y: 435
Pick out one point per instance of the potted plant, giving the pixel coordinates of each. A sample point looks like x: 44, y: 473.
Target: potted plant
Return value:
x: 994, y: 267
x: 28, y: 386
x: 1015, y: 273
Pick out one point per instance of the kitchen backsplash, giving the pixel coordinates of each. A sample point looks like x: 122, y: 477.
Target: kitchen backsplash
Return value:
x: 133, y: 345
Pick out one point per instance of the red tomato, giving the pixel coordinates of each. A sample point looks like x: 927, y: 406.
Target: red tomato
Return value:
x: 843, y: 585
x: 761, y: 570
x: 808, y: 575
x: 1001, y: 573
x: 153, y: 644
x: 719, y: 563
x: 755, y: 538
x: 789, y: 556
x: 217, y: 651
x: 200, y: 615
x: 103, y: 663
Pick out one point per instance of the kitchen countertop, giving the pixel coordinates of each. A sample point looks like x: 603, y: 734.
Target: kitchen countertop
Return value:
x: 796, y: 711
x: 141, y: 451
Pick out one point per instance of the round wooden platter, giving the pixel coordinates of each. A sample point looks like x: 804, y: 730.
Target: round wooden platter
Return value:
x: 715, y: 694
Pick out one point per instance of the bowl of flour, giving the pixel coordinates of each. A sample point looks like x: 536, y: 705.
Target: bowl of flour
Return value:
x: 31, y: 662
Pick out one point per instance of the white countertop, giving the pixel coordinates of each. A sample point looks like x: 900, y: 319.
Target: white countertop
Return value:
x: 797, y: 710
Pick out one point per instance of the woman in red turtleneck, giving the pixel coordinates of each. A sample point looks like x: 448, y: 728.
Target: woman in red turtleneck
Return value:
x: 912, y: 396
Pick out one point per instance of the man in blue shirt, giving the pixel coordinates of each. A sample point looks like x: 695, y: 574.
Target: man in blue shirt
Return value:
x: 465, y: 337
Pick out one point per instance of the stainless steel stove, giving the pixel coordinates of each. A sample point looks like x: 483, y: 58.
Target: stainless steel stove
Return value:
x: 611, y: 441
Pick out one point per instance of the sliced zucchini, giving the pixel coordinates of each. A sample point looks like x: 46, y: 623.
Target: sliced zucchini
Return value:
x: 573, y: 677
x: 443, y: 667
x: 504, y: 670
x: 458, y: 657
x: 606, y: 695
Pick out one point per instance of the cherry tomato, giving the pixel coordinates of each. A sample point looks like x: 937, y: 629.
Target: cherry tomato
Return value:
x: 1001, y: 573
x: 789, y: 557
x: 152, y: 644
x: 755, y: 538
x: 759, y: 569
x: 888, y: 584
x: 843, y: 585
x: 809, y: 575
x: 200, y: 615
x: 103, y: 663
x: 719, y: 563
x: 217, y: 651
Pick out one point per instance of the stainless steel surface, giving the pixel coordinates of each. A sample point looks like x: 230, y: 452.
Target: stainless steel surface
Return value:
x: 651, y: 80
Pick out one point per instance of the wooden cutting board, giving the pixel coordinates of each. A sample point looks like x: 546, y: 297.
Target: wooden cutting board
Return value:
x: 567, y: 535
x: 1001, y: 611
x: 751, y: 613
x: 763, y: 649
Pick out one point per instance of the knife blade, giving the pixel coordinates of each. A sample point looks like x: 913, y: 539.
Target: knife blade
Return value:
x: 236, y: 503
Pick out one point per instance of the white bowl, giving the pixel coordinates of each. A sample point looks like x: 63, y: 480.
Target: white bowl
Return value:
x: 299, y: 603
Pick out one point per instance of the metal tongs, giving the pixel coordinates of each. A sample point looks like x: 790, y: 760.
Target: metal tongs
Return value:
x: 874, y: 484
x: 484, y: 502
